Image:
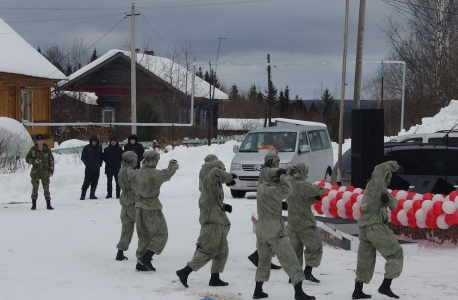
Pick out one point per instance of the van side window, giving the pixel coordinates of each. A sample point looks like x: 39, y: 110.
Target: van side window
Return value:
x: 303, y: 139
x: 319, y: 140
x: 452, y: 141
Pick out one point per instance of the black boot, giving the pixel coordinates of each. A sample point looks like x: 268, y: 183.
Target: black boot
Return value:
x: 118, y: 191
x: 34, y: 205
x: 309, y: 276
x: 146, y: 260
x: 258, y: 293
x: 141, y: 268
x: 299, y: 293
x: 183, y: 275
x: 386, y: 290
x: 108, y: 196
x: 358, y: 292
x: 120, y: 256
x: 92, y: 194
x: 215, y: 281
x: 254, y: 258
x: 48, y: 205
x: 83, y: 194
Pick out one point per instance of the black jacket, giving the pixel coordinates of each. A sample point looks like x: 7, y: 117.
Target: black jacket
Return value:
x: 137, y: 148
x: 92, y: 156
x: 112, y: 156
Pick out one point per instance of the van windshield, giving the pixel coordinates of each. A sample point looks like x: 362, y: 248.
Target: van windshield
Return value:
x: 282, y: 141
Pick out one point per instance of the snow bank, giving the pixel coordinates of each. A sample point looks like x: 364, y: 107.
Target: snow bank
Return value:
x: 17, y: 137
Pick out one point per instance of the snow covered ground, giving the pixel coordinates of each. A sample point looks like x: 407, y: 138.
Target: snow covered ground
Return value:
x: 69, y: 253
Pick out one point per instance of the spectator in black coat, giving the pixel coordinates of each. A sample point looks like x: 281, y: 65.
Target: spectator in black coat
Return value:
x: 112, y: 156
x: 134, y: 145
x: 92, y: 158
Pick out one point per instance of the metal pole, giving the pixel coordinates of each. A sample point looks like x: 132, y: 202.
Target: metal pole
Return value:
x: 359, y: 54
x: 403, y: 93
x: 133, y: 79
x: 342, y: 96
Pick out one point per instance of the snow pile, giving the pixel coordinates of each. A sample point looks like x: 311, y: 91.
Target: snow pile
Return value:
x: 85, y: 97
x: 14, y: 136
x: 72, y: 144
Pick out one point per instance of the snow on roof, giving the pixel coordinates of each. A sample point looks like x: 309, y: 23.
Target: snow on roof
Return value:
x: 19, y: 57
x: 239, y: 124
x: 282, y: 121
x: 164, y: 68
x: 86, y: 97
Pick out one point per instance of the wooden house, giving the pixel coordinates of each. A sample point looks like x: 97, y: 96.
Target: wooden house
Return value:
x: 26, y: 78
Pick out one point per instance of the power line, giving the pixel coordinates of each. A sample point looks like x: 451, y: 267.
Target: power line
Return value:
x: 424, y: 7
x: 55, y: 20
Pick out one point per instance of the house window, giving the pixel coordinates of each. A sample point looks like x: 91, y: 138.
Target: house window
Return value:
x: 27, y: 104
x: 108, y: 114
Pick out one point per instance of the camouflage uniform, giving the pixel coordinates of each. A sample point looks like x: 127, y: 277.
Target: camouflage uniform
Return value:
x: 206, y: 167
x: 271, y: 232
x: 212, y: 242
x: 125, y: 177
x: 302, y: 230
x: 151, y: 225
x: 374, y: 234
x: 269, y: 162
x: 42, y: 170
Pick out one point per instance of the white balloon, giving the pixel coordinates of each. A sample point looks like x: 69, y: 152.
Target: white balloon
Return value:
x: 407, y: 205
x: 327, y: 186
x: 389, y: 190
x: 421, y: 224
x: 417, y: 197
x: 341, y: 204
x: 441, y: 222
x: 359, y: 199
x: 357, y: 191
x: 356, y: 206
x: 346, y: 195
x: 447, y: 198
x: 426, y: 205
x: 341, y: 213
x: 438, y: 197
x: 343, y: 188
x: 402, y: 217
x: 420, y: 215
x: 356, y: 215
x: 401, y: 195
x: 449, y: 207
x: 332, y: 194
x: 325, y: 210
x: 325, y: 201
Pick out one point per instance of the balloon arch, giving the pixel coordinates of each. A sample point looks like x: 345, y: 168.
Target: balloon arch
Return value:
x: 413, y: 210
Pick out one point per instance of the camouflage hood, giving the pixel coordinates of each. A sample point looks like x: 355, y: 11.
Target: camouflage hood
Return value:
x: 151, y: 158
x: 129, y: 159
x: 210, y: 158
x: 270, y: 160
x: 383, y: 172
x: 299, y: 171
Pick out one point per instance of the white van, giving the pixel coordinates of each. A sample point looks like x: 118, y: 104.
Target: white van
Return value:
x: 295, y: 141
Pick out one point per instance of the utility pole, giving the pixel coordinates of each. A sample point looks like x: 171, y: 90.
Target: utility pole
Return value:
x: 359, y: 54
x: 268, y: 117
x: 133, y: 62
x: 342, y: 96
x: 209, y: 130
x: 213, y: 95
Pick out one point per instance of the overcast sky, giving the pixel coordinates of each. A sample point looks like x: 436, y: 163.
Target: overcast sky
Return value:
x: 291, y: 31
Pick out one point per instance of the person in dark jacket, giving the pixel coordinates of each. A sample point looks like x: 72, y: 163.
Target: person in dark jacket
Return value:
x: 112, y: 156
x: 134, y: 145
x: 92, y: 158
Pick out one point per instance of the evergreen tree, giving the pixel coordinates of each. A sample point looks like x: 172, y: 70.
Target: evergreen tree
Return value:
x: 68, y: 70
x: 234, y: 92
x: 94, y: 55
x: 39, y: 50
x: 284, y: 103
x: 330, y: 113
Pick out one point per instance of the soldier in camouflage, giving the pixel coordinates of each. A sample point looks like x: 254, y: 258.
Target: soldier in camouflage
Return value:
x: 212, y: 242
x: 151, y: 225
x: 125, y: 178
x: 302, y: 230
x: 272, y: 237
x: 42, y: 161
x: 375, y: 235
x: 206, y: 167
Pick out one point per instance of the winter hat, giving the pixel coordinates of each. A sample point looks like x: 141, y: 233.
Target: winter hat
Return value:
x: 39, y: 137
x: 113, y: 138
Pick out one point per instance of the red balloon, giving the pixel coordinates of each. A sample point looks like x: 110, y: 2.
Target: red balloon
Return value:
x: 395, y: 220
x: 412, y: 223
x: 320, y: 184
x: 401, y: 203
x: 431, y: 224
x: 349, y: 206
x: 350, y: 188
x: 325, y: 194
x: 437, y: 207
x: 455, y: 216
x: 349, y: 214
x: 335, y: 187
x: 395, y: 211
x: 339, y: 195
x: 417, y: 204
x: 354, y: 197
x: 450, y: 220
x: 362, y: 192
x: 333, y: 203
x: 411, y: 214
x: 431, y: 215
x: 453, y: 195
x: 428, y: 196
x: 394, y: 192
x: 333, y: 212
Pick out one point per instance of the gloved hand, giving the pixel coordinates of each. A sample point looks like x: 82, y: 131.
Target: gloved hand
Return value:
x: 284, y: 205
x: 233, y: 176
x: 228, y: 208
x: 231, y: 183
x: 318, y: 198
x: 174, y: 161
x: 281, y: 172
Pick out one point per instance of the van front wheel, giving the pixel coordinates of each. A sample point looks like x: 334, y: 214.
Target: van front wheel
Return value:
x: 237, y: 193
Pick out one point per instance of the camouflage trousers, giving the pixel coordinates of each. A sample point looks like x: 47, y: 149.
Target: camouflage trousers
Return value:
x: 211, y: 245
x: 45, y: 180
x: 128, y: 225
x: 272, y: 238
x: 310, y: 238
x: 151, y: 230
x: 378, y: 237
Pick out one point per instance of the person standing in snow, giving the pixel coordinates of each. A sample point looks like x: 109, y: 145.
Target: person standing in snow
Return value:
x: 205, y: 169
x: 272, y: 237
x: 212, y: 241
x: 151, y: 225
x: 126, y: 177
x: 92, y: 158
x: 135, y: 146
x: 374, y: 234
x: 112, y: 156
x: 42, y: 161
x: 271, y: 160
x: 302, y: 230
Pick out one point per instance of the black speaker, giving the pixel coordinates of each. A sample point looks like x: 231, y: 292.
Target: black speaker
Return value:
x: 362, y: 167
x: 367, y: 131
x: 433, y: 185
x: 398, y: 183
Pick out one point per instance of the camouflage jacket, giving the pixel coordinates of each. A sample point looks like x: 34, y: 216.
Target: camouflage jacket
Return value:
x: 45, y: 156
